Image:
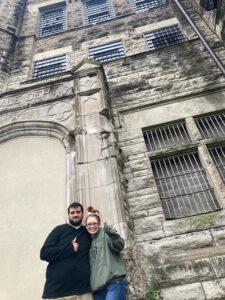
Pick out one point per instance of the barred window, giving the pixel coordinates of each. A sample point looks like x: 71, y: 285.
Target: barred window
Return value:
x: 218, y: 156
x: 166, y: 136
x: 183, y: 187
x: 50, y: 66
x: 165, y: 37
x: 145, y: 4
x: 107, y: 52
x: 97, y: 11
x: 211, y: 126
x: 52, y: 20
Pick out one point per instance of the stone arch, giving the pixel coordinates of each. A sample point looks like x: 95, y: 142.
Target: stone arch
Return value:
x: 35, y: 128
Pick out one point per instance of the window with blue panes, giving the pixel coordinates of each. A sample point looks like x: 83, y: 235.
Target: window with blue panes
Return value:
x: 97, y: 11
x: 107, y: 52
x: 165, y: 37
x: 139, y: 5
x: 52, y: 20
x: 49, y: 66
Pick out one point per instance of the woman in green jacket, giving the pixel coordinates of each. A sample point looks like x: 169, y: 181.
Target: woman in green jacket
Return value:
x: 107, y: 266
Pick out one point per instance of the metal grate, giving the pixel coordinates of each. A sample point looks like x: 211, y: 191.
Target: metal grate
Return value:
x: 145, y: 4
x: 50, y: 66
x: 107, y: 52
x: 211, y: 126
x: 52, y: 20
x: 183, y: 186
x: 166, y: 136
x: 165, y: 37
x: 97, y: 11
x: 218, y: 156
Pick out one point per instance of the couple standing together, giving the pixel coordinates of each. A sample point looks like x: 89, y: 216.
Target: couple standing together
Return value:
x: 83, y: 259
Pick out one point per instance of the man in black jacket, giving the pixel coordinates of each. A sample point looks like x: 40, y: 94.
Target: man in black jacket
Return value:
x: 66, y: 250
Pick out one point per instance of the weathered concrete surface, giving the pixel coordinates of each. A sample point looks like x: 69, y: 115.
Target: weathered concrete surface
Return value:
x: 98, y: 113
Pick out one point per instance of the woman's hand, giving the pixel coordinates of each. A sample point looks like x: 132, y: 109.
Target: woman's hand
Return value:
x: 115, y: 241
x: 110, y: 230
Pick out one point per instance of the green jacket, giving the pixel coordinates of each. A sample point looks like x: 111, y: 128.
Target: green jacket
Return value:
x: 105, y: 259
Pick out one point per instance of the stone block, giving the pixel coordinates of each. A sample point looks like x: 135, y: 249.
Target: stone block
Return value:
x: 148, y: 224
x: 89, y: 147
x: 130, y: 135
x: 139, y: 193
x: 139, y: 164
x: 218, y: 235
x: 194, y: 223
x: 141, y: 202
x: 128, y: 176
x: 134, y: 141
x: 155, y: 210
x: 141, y: 173
x: 87, y: 178
x: 88, y: 82
x: 171, y: 248
x: 132, y: 149
x: 90, y: 104
x: 214, y: 290
x: 91, y: 124
x: 139, y: 214
x: 138, y: 183
x: 219, y: 265
x: 153, y: 235
x: 185, y: 272
x: 137, y: 156
x: 192, y: 291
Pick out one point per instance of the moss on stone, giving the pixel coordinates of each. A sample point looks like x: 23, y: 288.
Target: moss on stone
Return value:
x: 153, y: 294
x: 201, y: 221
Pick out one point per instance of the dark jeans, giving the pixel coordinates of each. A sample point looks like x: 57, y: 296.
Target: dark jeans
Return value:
x: 114, y: 290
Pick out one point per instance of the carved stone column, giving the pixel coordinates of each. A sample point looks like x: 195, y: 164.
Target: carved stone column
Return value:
x: 97, y: 170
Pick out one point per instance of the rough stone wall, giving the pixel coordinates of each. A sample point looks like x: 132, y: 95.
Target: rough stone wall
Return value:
x: 180, y: 262
x: 128, y: 27
x: 11, y: 13
x: 184, y: 258
x: 214, y: 18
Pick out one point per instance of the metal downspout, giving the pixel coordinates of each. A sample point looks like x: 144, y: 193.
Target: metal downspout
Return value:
x: 199, y: 34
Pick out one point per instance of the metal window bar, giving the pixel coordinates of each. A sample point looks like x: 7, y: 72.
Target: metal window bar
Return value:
x: 139, y: 5
x: 211, y: 126
x: 97, y: 11
x: 218, y: 156
x: 165, y: 37
x: 50, y: 66
x: 183, y: 187
x: 166, y: 136
x: 107, y: 52
x: 52, y: 20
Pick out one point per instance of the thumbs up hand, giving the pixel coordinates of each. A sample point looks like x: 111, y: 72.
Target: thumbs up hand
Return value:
x: 75, y: 244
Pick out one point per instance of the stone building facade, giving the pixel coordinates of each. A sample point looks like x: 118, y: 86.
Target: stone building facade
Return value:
x: 116, y: 104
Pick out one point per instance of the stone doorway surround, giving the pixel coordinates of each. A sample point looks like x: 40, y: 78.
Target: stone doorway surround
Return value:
x: 74, y: 109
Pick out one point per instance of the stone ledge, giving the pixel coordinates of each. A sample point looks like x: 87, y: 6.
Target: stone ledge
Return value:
x: 192, y: 291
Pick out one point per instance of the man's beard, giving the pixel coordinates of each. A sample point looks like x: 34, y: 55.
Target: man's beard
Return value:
x: 75, y: 223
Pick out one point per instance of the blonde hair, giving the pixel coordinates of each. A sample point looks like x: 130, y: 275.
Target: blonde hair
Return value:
x: 93, y: 212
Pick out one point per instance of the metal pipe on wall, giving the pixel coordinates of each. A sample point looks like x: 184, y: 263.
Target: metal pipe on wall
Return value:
x: 199, y: 34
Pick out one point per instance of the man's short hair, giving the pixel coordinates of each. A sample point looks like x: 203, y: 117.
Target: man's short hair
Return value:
x: 75, y: 205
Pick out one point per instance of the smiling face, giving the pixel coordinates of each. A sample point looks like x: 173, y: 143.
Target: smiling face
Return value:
x: 92, y: 224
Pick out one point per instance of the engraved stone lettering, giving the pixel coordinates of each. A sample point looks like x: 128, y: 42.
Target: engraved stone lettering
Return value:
x: 38, y: 95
